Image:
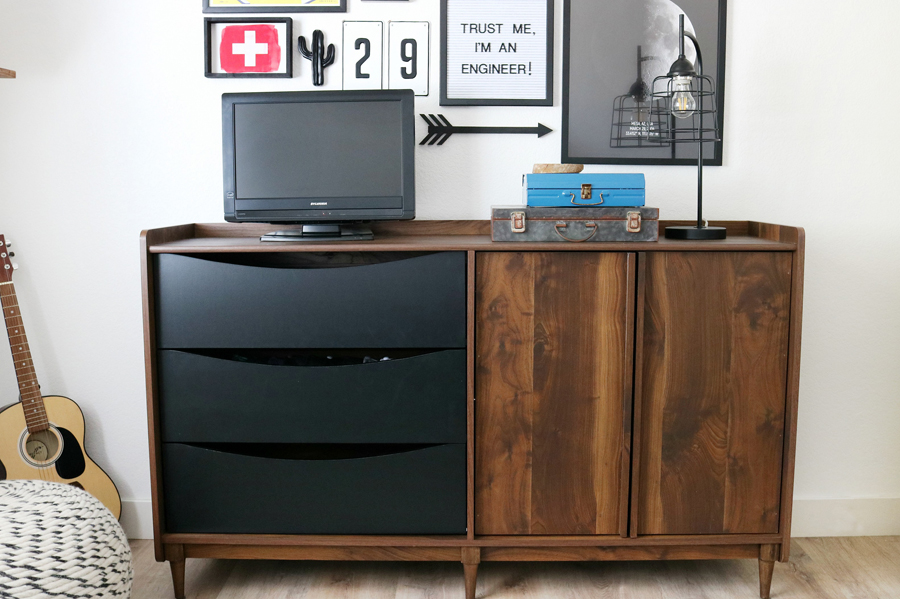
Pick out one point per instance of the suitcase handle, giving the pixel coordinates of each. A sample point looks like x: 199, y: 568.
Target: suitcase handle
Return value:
x: 592, y: 204
x: 588, y: 225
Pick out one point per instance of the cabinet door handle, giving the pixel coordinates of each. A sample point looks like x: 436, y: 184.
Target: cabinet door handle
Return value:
x: 560, y: 227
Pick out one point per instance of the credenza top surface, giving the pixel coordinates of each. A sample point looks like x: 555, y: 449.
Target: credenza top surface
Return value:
x: 429, y: 236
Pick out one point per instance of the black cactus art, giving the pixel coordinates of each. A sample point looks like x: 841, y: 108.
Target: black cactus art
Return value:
x: 320, y: 59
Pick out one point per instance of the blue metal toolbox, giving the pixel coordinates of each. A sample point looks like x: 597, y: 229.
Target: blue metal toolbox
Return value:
x: 583, y: 189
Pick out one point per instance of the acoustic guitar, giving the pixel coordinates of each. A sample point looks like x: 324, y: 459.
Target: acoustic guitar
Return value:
x: 42, y: 438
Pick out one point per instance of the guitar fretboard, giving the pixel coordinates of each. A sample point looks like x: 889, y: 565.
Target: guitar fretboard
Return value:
x: 32, y: 403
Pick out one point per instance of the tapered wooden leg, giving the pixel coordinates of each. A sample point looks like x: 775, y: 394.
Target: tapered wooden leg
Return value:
x: 175, y: 556
x: 767, y: 554
x: 471, y: 557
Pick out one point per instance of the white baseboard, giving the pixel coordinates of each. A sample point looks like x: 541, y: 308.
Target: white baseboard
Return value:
x: 846, y: 517
x: 811, y: 518
x: 137, y: 518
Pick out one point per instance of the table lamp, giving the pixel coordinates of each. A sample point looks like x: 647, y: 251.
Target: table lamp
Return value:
x: 686, y: 93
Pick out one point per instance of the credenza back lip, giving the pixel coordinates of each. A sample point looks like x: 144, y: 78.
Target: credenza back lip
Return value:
x: 436, y: 236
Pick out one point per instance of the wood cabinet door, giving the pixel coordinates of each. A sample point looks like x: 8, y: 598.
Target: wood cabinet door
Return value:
x: 711, y: 375
x: 554, y: 341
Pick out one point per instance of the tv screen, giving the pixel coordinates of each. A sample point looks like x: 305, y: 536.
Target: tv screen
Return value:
x: 319, y: 156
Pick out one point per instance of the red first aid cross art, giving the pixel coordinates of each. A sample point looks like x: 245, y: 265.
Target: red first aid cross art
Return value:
x: 250, y: 49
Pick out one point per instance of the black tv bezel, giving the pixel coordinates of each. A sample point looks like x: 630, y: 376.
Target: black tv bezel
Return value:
x: 295, y: 215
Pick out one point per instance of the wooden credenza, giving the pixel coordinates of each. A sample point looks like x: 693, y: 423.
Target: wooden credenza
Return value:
x: 434, y: 396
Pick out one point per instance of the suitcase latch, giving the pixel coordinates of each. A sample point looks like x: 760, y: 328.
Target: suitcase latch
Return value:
x: 633, y: 224
x: 586, y: 191
x: 517, y: 222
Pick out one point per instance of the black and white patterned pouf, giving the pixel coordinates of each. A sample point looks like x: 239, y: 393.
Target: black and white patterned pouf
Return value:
x: 58, y: 541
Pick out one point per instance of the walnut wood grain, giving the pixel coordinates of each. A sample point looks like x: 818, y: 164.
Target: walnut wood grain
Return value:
x: 613, y: 540
x: 426, y: 227
x: 793, y: 391
x: 637, y: 405
x: 627, y: 396
x: 471, y: 557
x: 327, y: 553
x: 616, y: 540
x: 7, y: 74
x: 600, y: 554
x: 387, y: 228
x: 457, y: 236
x: 714, y: 372
x: 470, y: 572
x: 767, y: 555
x: 175, y: 556
x: 550, y: 377
x: 470, y: 395
x: 318, y: 540
x: 504, y: 292
x: 445, y: 243
x: 149, y: 238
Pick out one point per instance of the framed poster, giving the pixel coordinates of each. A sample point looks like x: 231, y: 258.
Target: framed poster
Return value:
x: 613, y: 49
x: 274, y: 5
x: 497, y: 52
x: 408, y: 55
x: 248, y: 47
x: 363, y: 54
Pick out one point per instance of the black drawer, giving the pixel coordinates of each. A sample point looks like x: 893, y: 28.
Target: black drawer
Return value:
x: 417, y: 301
x: 245, y: 490
x: 417, y: 399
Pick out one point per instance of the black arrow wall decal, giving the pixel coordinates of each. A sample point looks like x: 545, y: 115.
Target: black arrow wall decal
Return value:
x: 440, y: 130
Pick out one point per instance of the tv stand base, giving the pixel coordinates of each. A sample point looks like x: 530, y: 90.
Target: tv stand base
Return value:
x: 321, y: 233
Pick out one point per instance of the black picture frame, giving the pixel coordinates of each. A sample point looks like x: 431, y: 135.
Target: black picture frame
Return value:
x: 208, y: 24
x: 609, y: 157
x: 272, y: 9
x: 546, y: 100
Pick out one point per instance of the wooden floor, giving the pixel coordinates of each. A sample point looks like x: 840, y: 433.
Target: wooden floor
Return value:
x: 838, y: 568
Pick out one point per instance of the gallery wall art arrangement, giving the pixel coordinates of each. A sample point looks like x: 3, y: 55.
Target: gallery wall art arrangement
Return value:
x: 492, y: 53
x: 498, y: 53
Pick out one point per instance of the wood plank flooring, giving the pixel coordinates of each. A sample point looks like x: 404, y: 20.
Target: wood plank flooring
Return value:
x: 829, y: 568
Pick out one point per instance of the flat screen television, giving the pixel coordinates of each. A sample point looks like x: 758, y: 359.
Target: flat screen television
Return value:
x: 322, y: 159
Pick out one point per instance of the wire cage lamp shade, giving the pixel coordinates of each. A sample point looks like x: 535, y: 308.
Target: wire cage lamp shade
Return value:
x: 689, y: 101
x: 638, y: 119
x: 701, y: 125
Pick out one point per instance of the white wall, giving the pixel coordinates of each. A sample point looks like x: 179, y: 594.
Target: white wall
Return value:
x: 111, y: 128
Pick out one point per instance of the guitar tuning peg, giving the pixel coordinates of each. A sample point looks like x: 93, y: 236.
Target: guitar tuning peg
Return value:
x: 8, y: 244
x: 12, y: 254
x: 15, y: 266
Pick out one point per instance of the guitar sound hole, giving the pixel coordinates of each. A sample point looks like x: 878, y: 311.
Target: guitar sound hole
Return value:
x: 41, y: 448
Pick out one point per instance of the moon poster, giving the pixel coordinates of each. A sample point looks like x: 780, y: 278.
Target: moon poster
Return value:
x: 612, y: 52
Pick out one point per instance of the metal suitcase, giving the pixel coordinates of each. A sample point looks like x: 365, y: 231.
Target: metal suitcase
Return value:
x: 574, y: 225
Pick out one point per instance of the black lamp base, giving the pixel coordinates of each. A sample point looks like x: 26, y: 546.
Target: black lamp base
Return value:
x: 695, y: 233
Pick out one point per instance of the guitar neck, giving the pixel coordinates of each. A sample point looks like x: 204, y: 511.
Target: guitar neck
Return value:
x: 30, y: 391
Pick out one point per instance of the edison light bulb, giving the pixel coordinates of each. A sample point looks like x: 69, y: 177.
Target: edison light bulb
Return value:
x: 683, y: 102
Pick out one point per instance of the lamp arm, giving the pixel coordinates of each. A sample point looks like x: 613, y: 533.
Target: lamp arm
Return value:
x: 693, y: 39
